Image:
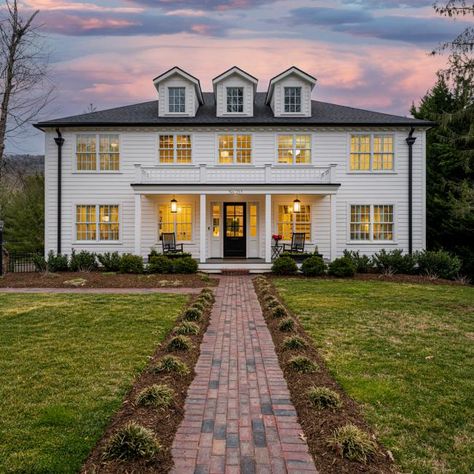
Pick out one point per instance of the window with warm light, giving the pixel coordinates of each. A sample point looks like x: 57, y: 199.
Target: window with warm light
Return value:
x: 235, y: 149
x: 104, y: 157
x: 371, y: 152
x: 216, y: 220
x: 290, y: 221
x: 108, y: 222
x: 177, y: 99
x: 97, y: 222
x: 179, y: 222
x: 175, y: 149
x: 294, y: 149
x: 292, y: 99
x: 253, y: 220
x: 235, y: 99
x: 372, y: 222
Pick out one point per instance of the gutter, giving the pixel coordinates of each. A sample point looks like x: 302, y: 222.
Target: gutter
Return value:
x: 410, y: 142
x: 59, y: 140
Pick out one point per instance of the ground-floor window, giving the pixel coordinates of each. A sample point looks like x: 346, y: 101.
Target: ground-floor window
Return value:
x: 371, y: 222
x: 180, y: 222
x: 97, y: 222
x: 289, y: 221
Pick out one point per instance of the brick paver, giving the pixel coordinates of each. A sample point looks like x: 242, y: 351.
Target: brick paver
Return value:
x: 238, y: 413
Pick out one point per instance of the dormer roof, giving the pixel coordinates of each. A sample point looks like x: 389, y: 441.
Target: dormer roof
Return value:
x: 292, y: 70
x: 239, y: 72
x: 181, y: 72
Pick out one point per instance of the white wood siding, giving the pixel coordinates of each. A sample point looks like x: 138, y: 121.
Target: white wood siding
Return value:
x: 191, y: 99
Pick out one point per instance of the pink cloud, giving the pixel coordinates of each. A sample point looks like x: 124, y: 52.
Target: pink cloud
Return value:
x: 58, y: 5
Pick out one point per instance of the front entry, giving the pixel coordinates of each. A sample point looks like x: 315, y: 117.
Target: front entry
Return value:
x: 234, y: 230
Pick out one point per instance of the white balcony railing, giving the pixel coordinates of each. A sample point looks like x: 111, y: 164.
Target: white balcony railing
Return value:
x: 228, y: 174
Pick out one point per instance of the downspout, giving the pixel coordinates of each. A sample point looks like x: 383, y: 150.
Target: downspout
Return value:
x: 410, y: 142
x: 59, y: 142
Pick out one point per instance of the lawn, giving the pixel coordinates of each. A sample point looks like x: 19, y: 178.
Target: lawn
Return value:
x: 405, y: 352
x: 66, y: 362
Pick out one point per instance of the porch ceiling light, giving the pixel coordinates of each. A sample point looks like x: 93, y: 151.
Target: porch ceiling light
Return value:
x: 174, y: 205
x: 296, y: 205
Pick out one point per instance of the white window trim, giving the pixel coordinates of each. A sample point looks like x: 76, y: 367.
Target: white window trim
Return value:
x: 284, y: 112
x: 371, y: 171
x: 277, y: 163
x: 225, y: 111
x: 234, y: 163
x: 168, y: 104
x: 193, y: 221
x: 157, y: 149
x: 97, y: 154
x: 97, y: 241
x: 371, y: 241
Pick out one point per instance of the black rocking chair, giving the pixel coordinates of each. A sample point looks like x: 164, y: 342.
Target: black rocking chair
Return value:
x: 168, y: 240
x: 297, y: 243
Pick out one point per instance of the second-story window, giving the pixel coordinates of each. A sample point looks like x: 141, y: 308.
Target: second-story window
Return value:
x: 235, y: 149
x: 235, y: 99
x: 175, y: 149
x: 177, y: 99
x: 292, y: 99
x: 90, y: 157
x: 371, y: 152
x: 294, y: 149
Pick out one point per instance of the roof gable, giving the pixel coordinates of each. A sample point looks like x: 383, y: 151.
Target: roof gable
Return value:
x: 180, y: 72
x: 293, y: 70
x: 237, y: 71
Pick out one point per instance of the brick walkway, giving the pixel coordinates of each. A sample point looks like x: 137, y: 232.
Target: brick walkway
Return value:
x: 239, y: 417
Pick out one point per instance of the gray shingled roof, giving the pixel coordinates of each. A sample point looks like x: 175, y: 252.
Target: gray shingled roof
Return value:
x: 146, y: 114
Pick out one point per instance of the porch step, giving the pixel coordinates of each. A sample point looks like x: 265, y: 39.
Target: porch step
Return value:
x: 235, y: 271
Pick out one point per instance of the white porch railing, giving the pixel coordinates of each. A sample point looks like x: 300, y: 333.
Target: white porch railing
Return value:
x: 238, y: 174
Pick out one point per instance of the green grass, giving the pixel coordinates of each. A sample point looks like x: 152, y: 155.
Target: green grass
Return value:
x: 66, y: 362
x: 406, y: 353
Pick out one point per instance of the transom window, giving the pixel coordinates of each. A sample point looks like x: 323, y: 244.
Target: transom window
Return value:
x: 371, y: 152
x: 175, y: 149
x: 235, y: 149
x: 289, y: 221
x: 292, y: 99
x: 90, y: 157
x: 97, y: 222
x: 180, y: 222
x: 235, y: 99
x: 177, y: 99
x: 294, y: 149
x: 371, y: 222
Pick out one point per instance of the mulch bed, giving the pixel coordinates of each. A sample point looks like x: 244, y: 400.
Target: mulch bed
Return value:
x: 104, y: 280
x: 164, y: 423
x: 318, y: 425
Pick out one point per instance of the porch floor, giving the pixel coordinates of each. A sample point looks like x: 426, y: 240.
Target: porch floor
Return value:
x: 217, y: 265
x: 235, y: 260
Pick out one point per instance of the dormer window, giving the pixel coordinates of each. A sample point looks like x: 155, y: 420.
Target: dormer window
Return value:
x: 235, y: 99
x: 293, y: 99
x: 177, y: 99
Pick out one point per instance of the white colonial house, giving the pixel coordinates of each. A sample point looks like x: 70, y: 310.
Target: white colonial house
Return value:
x: 225, y: 170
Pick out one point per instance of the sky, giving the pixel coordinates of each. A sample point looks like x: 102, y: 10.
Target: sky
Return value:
x: 371, y: 54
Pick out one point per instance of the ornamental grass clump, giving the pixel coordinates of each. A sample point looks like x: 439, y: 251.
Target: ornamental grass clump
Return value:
x: 187, y: 327
x: 132, y: 441
x: 200, y: 305
x: 353, y: 443
x: 302, y: 364
x: 158, y: 396
x: 207, y: 295
x: 287, y: 325
x: 279, y: 311
x: 323, y: 397
x: 192, y: 314
x: 273, y: 303
x: 170, y: 364
x: 179, y: 343
x: 294, y: 342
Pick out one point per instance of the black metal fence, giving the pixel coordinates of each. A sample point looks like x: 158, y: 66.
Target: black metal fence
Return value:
x: 21, y: 262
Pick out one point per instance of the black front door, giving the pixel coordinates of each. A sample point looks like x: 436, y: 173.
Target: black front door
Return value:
x: 234, y: 230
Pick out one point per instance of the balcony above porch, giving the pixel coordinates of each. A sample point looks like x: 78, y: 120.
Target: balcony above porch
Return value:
x: 236, y: 174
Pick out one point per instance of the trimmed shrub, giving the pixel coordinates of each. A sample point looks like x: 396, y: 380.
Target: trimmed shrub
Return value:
x: 362, y: 263
x: 294, y: 342
x: 204, y: 296
x: 187, y: 327
x: 302, y: 365
x: 353, y: 443
x: 160, y: 264
x: 192, y: 314
x: 171, y: 364
x: 110, y: 261
x: 297, y: 256
x: 287, y: 325
x: 341, y: 267
x: 57, y: 263
x: 158, y: 396
x: 323, y: 397
x: 39, y: 262
x: 273, y: 303
x: 83, y: 261
x: 438, y: 263
x: 172, y: 255
x: 279, y: 311
x: 201, y: 305
x: 284, y: 266
x: 179, y: 343
x: 131, y: 263
x: 313, y: 266
x: 185, y: 265
x: 394, y: 261
x: 132, y: 441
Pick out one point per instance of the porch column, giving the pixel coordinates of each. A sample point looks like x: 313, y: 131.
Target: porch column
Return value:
x: 202, y: 229
x: 138, y: 224
x: 332, y: 202
x: 268, y: 228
